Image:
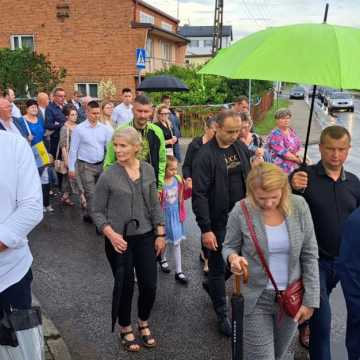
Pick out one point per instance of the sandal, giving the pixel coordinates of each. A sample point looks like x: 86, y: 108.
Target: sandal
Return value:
x: 304, y: 336
x: 129, y: 345
x: 148, y: 340
x: 164, y: 266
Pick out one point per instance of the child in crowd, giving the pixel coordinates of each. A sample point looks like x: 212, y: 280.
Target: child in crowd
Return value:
x: 172, y: 199
x: 45, y: 177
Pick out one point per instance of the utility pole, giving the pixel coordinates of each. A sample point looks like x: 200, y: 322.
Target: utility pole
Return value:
x: 218, y: 26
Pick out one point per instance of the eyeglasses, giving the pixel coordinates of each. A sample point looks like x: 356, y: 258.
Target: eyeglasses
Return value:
x: 167, y: 113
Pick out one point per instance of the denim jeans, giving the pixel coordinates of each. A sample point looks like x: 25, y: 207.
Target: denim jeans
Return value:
x: 320, y: 323
x: 350, y: 283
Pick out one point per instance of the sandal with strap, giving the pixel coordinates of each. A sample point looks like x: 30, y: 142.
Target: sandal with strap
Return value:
x: 148, y: 340
x: 129, y: 345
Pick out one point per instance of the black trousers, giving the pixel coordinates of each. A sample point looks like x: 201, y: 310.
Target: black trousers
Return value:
x: 140, y: 255
x: 17, y: 296
x: 218, y: 274
x: 46, y: 194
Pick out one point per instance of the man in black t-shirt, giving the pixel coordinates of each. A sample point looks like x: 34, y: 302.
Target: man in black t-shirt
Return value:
x: 219, y: 173
x: 332, y: 194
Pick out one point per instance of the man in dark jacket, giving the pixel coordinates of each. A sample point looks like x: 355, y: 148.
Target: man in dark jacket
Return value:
x: 332, y: 194
x: 219, y: 174
x: 55, y: 119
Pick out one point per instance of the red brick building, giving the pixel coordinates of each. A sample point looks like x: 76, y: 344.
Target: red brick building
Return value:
x: 94, y: 40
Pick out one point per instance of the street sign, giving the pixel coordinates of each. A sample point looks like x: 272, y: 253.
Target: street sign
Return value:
x: 140, y: 58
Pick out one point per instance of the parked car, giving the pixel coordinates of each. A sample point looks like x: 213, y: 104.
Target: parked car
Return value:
x: 340, y: 101
x: 327, y: 95
x: 297, y: 92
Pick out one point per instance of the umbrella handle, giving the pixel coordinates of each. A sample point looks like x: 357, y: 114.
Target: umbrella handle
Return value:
x: 237, y: 285
x: 237, y: 279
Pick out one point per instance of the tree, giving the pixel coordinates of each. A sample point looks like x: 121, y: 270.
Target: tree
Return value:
x: 28, y: 72
x: 207, y: 89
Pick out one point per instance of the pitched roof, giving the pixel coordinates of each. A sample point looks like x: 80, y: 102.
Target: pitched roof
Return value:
x: 153, y: 8
x: 203, y: 31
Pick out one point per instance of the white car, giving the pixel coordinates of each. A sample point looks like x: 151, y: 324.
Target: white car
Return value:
x: 340, y: 101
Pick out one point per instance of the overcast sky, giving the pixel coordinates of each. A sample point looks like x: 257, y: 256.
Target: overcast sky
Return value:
x: 247, y: 16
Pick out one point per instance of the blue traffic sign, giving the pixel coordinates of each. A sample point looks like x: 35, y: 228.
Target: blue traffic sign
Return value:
x: 140, y: 58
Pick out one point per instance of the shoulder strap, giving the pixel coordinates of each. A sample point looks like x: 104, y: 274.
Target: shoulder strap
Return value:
x: 256, y: 243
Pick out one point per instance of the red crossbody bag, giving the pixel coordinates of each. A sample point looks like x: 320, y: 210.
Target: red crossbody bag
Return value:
x: 289, y: 300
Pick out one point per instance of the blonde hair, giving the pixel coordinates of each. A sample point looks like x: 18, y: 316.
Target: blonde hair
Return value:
x: 131, y: 136
x: 269, y: 177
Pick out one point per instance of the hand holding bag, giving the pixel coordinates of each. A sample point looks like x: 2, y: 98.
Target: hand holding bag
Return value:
x: 59, y: 165
x: 289, y: 300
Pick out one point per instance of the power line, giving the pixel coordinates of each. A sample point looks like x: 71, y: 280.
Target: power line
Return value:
x: 250, y: 14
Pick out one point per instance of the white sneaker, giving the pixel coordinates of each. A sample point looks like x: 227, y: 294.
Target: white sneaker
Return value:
x: 49, y: 209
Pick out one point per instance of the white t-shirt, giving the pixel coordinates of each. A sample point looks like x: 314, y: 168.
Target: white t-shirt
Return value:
x: 15, y: 111
x: 122, y: 114
x: 21, y: 206
x: 279, y: 247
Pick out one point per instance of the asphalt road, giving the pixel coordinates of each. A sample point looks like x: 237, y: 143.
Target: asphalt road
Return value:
x: 73, y: 283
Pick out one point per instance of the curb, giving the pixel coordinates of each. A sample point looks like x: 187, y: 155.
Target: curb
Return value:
x: 55, y: 347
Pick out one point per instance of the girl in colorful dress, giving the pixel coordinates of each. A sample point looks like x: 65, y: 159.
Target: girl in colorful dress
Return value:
x: 172, y: 199
x: 283, y: 143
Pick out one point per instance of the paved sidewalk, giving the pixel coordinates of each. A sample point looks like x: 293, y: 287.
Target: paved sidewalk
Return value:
x: 55, y: 347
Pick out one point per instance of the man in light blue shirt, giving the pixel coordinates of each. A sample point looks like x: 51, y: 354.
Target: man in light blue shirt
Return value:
x: 123, y: 113
x: 20, y: 211
x: 87, y: 148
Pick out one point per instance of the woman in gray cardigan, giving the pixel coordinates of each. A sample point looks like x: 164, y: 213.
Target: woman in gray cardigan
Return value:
x: 127, y: 191
x: 285, y: 232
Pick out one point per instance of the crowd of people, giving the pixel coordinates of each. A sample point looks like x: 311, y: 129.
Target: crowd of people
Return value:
x: 258, y: 211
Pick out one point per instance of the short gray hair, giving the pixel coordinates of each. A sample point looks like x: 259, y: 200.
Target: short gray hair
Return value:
x: 131, y: 136
x: 282, y: 113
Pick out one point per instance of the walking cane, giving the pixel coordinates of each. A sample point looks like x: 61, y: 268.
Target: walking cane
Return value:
x: 237, y: 307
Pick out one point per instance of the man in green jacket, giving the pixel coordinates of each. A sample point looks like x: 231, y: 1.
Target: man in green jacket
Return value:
x: 153, y: 150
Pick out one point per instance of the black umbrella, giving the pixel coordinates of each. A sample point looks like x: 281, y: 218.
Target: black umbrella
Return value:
x: 162, y: 83
x: 119, y: 276
x: 237, y: 307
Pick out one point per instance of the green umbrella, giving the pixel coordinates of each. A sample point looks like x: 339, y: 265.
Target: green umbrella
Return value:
x: 320, y: 54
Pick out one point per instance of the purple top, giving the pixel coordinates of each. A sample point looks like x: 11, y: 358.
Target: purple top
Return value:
x: 279, y: 144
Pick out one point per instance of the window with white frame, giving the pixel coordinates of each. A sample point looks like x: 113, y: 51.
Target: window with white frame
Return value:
x: 88, y: 89
x: 166, y: 50
x: 194, y: 43
x: 22, y: 41
x: 166, y: 26
x: 208, y: 43
x: 146, y: 18
x: 149, y: 47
